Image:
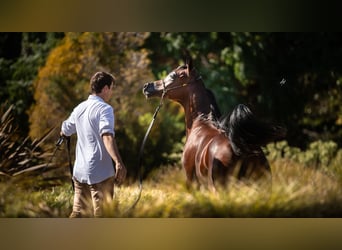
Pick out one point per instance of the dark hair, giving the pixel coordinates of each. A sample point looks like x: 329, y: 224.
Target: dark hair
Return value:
x: 99, y: 80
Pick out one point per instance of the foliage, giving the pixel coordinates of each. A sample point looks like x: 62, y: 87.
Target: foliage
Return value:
x: 18, y: 156
x: 166, y: 136
x: 23, y: 54
x: 290, y: 78
x: 324, y: 155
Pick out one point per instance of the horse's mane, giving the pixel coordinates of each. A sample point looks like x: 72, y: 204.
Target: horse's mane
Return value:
x: 213, y: 106
x: 211, y: 121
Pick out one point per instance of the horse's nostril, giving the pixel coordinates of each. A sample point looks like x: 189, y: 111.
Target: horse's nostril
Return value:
x: 148, y: 85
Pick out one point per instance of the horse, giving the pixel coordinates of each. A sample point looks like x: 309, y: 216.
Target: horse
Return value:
x: 216, y: 147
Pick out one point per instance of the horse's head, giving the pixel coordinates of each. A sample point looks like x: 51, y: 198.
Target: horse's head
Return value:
x: 174, y: 83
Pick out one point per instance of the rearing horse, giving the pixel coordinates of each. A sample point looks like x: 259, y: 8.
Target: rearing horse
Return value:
x: 215, y: 148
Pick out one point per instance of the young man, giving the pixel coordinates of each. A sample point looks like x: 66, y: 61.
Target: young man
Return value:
x: 96, y: 148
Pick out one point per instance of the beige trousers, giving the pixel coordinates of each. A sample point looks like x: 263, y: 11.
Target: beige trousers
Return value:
x: 91, y: 196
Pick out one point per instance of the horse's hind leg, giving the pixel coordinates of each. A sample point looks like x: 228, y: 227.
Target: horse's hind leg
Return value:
x: 211, y: 185
x: 257, y: 168
x: 221, y: 172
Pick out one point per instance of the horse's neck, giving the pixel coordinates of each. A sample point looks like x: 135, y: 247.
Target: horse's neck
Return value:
x: 196, y: 104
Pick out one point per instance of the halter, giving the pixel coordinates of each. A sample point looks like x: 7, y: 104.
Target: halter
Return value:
x: 165, y: 89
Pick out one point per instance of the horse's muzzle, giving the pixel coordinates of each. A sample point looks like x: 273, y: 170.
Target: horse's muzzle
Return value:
x: 149, y: 89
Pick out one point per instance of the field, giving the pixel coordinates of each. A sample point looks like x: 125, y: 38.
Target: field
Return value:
x: 297, y: 191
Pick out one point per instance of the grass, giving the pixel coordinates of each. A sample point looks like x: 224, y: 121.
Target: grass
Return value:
x: 297, y: 191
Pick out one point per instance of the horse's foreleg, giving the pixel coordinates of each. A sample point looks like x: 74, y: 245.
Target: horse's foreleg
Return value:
x: 189, y: 177
x: 189, y: 172
x: 189, y: 168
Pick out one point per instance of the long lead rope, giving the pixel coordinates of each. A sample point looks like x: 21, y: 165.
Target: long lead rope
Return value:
x: 58, y: 144
x: 70, y: 163
x: 57, y: 147
x: 142, y: 150
x: 165, y: 90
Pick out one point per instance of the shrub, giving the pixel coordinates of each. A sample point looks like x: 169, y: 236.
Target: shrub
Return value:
x: 18, y: 156
x: 319, y: 154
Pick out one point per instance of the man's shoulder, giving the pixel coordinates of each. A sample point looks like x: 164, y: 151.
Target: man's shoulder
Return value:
x: 103, y: 107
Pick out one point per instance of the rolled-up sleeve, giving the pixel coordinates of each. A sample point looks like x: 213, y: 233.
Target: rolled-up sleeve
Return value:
x: 106, y: 123
x: 68, y: 126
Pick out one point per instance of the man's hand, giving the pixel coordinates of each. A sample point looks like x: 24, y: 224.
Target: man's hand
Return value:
x: 120, y: 173
x: 110, y: 144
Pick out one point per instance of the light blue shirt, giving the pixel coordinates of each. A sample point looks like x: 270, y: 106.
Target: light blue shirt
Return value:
x: 90, y: 120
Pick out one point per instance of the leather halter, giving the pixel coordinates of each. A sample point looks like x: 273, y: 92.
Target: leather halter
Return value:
x: 165, y: 89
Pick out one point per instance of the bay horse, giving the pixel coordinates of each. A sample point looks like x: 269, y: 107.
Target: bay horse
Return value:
x: 228, y: 146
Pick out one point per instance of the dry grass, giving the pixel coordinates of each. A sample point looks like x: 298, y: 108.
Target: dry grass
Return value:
x: 297, y: 191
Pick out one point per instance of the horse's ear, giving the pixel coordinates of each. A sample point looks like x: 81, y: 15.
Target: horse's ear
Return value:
x: 188, y: 61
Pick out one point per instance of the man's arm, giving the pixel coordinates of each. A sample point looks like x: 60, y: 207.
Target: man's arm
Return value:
x: 111, y: 146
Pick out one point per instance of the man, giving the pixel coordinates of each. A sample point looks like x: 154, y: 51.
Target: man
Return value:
x: 96, y: 148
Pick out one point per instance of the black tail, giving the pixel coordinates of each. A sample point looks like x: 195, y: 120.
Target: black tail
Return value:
x: 247, y: 134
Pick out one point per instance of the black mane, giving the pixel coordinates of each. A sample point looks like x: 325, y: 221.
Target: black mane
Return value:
x: 215, y: 110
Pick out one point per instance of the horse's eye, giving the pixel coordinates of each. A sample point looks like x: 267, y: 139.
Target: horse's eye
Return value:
x: 171, y: 77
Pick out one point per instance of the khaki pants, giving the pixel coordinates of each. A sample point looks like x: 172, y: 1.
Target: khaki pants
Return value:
x: 95, y: 195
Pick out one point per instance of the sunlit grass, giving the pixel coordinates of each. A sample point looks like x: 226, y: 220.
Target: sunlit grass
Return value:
x: 297, y: 191
x: 19, y: 201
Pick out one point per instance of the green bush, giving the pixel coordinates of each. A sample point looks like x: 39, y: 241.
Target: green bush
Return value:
x: 319, y: 154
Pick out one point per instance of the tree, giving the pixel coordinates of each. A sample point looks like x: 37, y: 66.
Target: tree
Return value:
x: 64, y: 82
x: 290, y: 78
x: 21, y: 55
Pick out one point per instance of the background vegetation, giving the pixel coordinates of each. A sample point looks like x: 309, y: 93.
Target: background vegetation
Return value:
x: 290, y: 78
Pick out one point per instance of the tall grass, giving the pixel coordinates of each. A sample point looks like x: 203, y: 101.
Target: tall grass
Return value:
x: 297, y: 191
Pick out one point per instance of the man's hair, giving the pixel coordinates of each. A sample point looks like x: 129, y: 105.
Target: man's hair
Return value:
x: 99, y: 80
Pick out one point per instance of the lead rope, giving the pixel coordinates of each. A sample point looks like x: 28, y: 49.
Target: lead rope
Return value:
x: 57, y: 147
x: 142, y: 149
x: 58, y: 144
x: 70, y: 163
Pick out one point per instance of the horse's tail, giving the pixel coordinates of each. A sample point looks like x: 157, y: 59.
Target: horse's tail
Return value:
x: 247, y: 134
